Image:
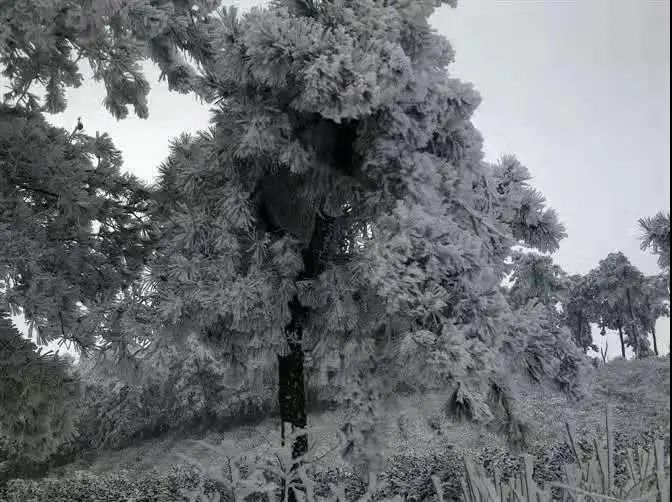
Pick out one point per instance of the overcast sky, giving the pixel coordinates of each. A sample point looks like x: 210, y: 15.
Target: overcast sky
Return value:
x: 577, y: 90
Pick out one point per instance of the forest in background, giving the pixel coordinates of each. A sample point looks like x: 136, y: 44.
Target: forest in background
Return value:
x: 334, y: 241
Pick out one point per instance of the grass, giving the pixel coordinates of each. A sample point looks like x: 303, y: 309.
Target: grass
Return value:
x: 588, y: 479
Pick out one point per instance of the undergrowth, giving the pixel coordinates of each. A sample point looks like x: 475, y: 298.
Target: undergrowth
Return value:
x: 630, y: 455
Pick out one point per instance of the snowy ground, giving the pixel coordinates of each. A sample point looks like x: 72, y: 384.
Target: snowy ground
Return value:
x: 637, y: 391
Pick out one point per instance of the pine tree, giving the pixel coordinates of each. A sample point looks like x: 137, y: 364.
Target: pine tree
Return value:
x: 73, y: 229
x: 340, y: 202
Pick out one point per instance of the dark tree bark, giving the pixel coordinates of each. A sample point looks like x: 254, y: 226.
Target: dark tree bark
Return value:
x: 292, y: 398
x: 620, y: 335
x: 580, y: 340
x: 655, y: 342
x: 334, y: 144
x: 292, y: 395
x: 291, y: 389
x: 291, y: 384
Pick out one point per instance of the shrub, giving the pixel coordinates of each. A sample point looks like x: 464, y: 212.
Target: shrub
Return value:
x: 119, y: 486
x: 411, y: 477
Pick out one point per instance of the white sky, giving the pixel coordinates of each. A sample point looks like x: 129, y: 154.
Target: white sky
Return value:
x: 578, y: 90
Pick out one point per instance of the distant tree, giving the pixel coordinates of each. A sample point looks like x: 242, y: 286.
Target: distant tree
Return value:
x: 544, y: 348
x: 536, y: 277
x: 579, y: 309
x: 656, y: 301
x: 651, y: 305
x: 656, y: 237
x: 619, y: 286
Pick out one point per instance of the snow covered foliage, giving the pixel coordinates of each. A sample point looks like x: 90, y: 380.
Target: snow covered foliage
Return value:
x: 37, y: 392
x: 523, y: 208
x: 42, y: 43
x: 651, y: 303
x: 340, y: 202
x: 541, y: 343
x: 337, y: 221
x: 580, y: 310
x: 73, y: 229
x: 542, y: 347
x: 620, y: 287
x: 656, y: 237
x: 536, y: 278
x: 182, y: 382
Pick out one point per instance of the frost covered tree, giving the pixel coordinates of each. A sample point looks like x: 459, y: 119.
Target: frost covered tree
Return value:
x: 656, y: 237
x: 543, y: 346
x: 652, y: 304
x: 339, y: 208
x: 580, y: 311
x: 656, y: 298
x: 619, y: 287
x: 536, y: 278
x: 74, y: 234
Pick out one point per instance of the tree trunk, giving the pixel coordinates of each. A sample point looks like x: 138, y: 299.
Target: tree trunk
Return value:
x: 633, y: 327
x: 291, y: 385
x: 291, y: 388
x: 292, y: 398
x: 655, y: 342
x: 620, y: 335
x: 580, y: 333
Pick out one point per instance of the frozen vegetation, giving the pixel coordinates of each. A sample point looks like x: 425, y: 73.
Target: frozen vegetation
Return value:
x: 328, y: 294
